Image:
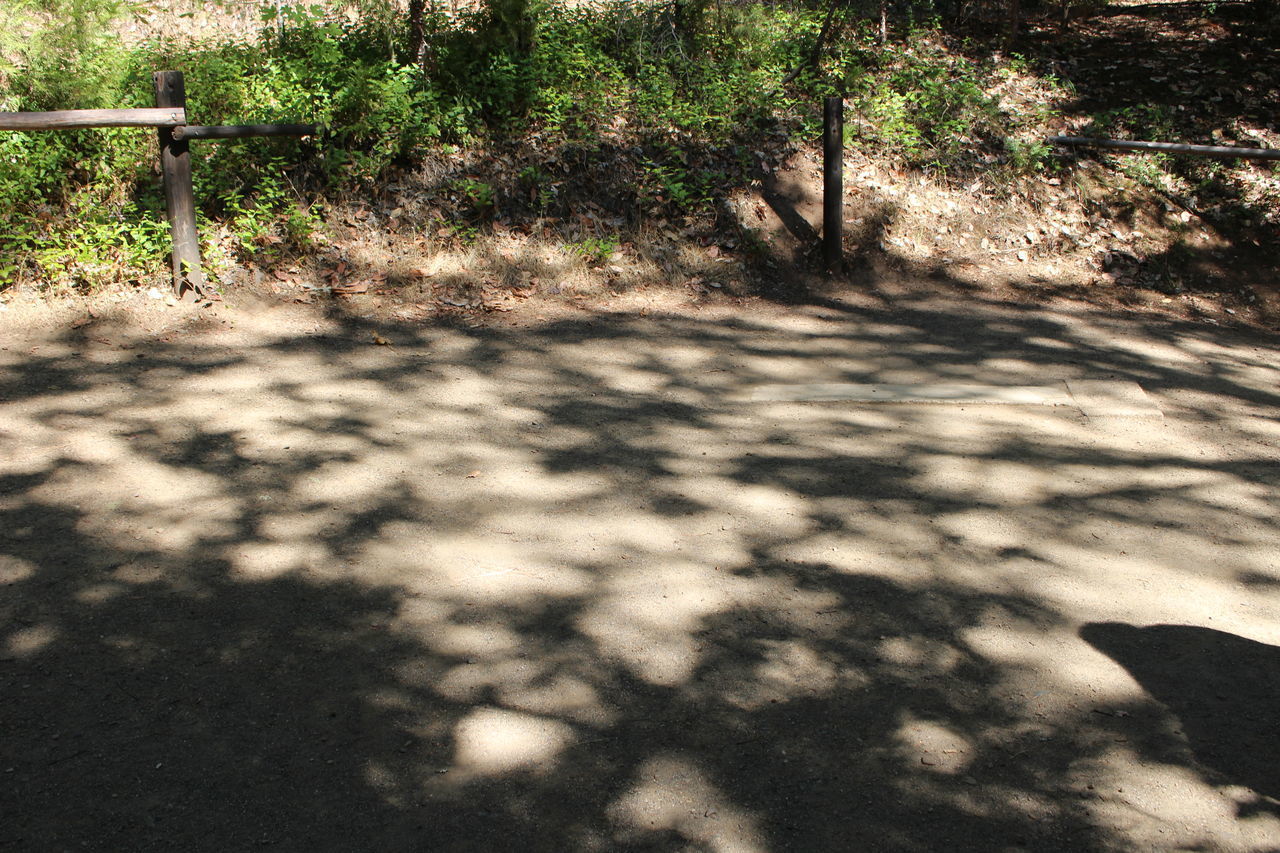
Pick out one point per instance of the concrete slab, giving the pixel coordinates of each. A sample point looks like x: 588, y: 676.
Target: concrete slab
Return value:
x: 1109, y: 398
x: 1094, y: 397
x: 830, y: 392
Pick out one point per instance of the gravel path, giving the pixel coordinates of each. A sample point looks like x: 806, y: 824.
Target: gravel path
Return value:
x: 574, y: 585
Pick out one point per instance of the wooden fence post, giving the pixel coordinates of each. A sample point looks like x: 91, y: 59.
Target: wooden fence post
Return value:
x: 175, y: 166
x: 833, y: 183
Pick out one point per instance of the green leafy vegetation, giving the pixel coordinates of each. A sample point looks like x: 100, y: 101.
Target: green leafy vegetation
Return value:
x: 596, y: 250
x: 682, y: 92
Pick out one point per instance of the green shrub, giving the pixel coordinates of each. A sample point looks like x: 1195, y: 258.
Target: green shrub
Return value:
x: 691, y: 85
x: 596, y: 250
x: 924, y: 103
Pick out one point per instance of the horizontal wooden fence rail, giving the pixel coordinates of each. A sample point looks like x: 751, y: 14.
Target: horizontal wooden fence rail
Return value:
x: 1222, y: 151
x: 241, y: 131
x: 68, y: 119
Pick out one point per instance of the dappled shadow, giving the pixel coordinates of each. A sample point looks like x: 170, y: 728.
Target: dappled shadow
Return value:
x: 568, y: 588
x: 1200, y: 73
x: 1170, y: 51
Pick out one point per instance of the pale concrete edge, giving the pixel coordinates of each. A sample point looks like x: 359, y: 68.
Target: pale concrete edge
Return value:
x: 1112, y: 399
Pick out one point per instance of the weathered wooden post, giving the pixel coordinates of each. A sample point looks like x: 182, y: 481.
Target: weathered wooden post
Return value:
x: 833, y: 183
x: 175, y: 166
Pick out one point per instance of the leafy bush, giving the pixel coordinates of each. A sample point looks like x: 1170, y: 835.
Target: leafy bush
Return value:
x: 924, y: 103
x: 596, y: 250
x: 84, y: 207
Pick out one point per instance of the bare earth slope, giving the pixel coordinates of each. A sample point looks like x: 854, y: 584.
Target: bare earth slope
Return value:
x: 301, y: 582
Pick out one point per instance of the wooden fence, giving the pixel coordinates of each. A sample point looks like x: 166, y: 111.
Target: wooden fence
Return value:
x: 169, y: 117
x: 1225, y: 152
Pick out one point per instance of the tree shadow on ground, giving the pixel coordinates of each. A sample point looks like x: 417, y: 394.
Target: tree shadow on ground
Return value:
x: 152, y: 702
x: 560, y: 589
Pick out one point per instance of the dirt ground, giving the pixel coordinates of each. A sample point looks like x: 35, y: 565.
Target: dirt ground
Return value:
x: 305, y: 577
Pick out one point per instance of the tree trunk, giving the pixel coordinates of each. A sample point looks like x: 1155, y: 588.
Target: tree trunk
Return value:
x: 1013, y: 23
x: 417, y: 33
x: 815, y: 56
